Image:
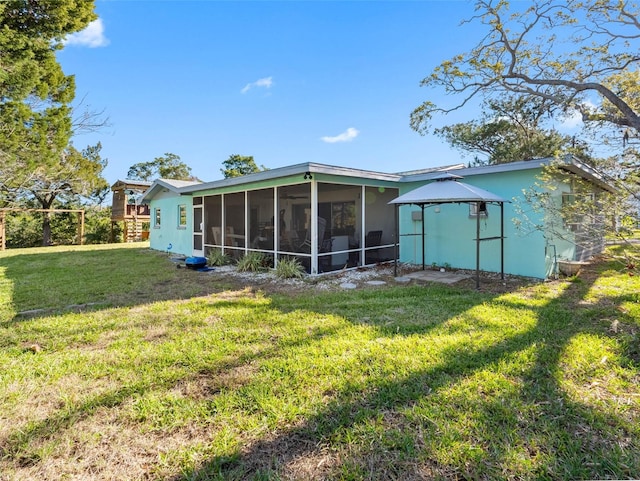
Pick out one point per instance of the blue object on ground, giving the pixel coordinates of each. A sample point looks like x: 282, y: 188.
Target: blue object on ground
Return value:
x: 206, y: 269
x: 195, y: 262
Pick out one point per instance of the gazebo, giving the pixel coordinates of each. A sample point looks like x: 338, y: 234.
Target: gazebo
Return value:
x: 447, y: 189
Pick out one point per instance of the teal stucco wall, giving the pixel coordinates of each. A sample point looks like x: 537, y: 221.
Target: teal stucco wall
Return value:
x: 169, y: 236
x: 451, y: 232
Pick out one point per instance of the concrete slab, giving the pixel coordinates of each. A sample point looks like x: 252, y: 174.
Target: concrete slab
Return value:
x: 402, y: 279
x: 437, y: 276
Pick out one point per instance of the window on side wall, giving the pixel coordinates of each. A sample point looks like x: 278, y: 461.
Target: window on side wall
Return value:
x: 156, y: 218
x: 182, y: 216
x: 578, y: 210
x: 478, y: 207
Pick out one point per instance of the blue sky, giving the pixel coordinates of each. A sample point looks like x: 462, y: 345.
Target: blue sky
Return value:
x: 286, y: 82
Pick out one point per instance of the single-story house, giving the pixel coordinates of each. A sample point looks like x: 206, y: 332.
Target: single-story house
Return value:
x: 333, y: 218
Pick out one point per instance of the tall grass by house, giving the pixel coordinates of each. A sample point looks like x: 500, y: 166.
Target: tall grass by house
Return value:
x: 173, y: 374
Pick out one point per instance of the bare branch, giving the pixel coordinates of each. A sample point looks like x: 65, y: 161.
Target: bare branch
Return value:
x: 526, y: 53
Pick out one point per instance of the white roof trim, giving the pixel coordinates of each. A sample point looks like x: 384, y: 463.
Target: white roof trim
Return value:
x: 297, y: 169
x: 188, y: 188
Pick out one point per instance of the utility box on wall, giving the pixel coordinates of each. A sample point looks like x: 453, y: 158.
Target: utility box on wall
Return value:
x: 416, y: 215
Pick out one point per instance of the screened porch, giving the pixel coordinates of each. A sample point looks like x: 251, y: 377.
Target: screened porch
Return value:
x: 326, y: 226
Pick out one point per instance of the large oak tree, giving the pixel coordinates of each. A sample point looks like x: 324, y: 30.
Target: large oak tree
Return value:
x: 510, y: 130
x: 581, y: 56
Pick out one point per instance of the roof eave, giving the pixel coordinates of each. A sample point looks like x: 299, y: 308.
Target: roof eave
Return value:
x: 288, y: 171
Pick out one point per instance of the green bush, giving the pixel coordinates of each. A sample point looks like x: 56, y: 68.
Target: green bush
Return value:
x: 216, y: 257
x: 289, y: 268
x: 64, y: 227
x: 252, y: 262
x: 23, y: 229
x: 98, y: 228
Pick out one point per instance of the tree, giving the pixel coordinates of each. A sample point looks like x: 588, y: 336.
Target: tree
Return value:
x: 238, y: 165
x: 76, y: 174
x: 35, y: 120
x: 579, y: 57
x: 510, y: 130
x: 31, y: 34
x: 167, y: 167
x: 561, y: 51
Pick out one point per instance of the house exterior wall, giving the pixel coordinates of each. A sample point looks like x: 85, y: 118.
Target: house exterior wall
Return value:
x: 169, y: 236
x: 451, y: 232
x: 530, y: 249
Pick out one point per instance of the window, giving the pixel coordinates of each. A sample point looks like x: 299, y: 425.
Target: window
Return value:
x: 474, y: 207
x: 182, y: 216
x: 579, y: 210
x: 156, y: 217
x: 569, y: 198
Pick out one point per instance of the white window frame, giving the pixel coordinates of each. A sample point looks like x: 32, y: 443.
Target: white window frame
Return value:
x: 182, y: 214
x: 473, y: 209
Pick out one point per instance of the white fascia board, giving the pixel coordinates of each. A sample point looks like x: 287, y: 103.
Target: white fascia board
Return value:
x: 297, y: 169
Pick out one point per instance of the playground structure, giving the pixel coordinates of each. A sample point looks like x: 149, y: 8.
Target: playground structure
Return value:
x: 125, y: 208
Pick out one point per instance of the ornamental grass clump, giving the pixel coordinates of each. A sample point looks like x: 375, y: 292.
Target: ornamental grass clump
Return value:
x: 289, y: 268
x: 252, y: 262
x: 216, y: 257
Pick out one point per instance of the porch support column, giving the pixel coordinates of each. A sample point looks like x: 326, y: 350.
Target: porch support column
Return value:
x: 246, y: 222
x: 363, y: 234
x: 224, y: 223
x: 276, y: 227
x: 314, y: 227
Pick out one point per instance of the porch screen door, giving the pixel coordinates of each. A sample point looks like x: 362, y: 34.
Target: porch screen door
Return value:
x: 198, y: 248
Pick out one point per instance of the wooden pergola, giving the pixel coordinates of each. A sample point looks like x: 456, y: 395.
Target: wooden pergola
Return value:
x: 3, y: 213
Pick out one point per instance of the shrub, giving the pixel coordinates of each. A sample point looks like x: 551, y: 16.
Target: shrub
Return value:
x: 99, y: 228
x: 216, y: 257
x: 23, y: 229
x: 289, y: 268
x: 252, y: 262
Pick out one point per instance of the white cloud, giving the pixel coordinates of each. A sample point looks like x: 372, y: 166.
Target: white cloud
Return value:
x: 346, y: 136
x: 266, y: 82
x: 574, y: 118
x: 92, y: 36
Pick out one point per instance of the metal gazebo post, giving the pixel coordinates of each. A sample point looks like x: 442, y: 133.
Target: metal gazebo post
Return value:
x: 478, y: 246
x: 502, y: 240
x: 423, y: 232
x: 396, y: 246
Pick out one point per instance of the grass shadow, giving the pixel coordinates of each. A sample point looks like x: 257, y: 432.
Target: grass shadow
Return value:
x: 457, y: 420
x: 443, y: 390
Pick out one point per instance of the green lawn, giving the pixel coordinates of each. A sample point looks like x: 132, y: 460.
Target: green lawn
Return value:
x: 133, y: 369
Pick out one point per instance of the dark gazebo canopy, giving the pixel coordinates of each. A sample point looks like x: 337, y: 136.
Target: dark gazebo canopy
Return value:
x: 447, y: 189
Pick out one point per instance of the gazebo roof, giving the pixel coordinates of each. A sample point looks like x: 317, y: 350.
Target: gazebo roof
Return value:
x: 446, y: 190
